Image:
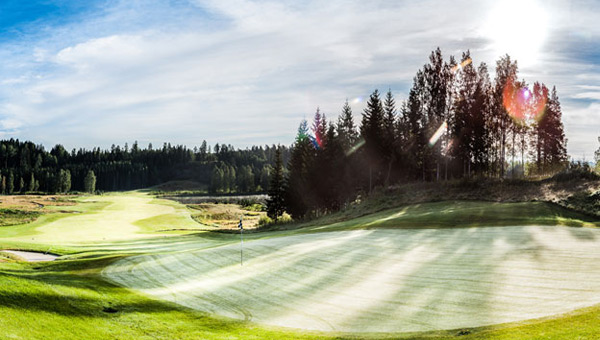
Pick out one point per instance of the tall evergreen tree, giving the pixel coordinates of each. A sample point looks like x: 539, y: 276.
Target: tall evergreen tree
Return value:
x: 596, y: 158
x: 538, y: 130
x: 11, y: 182
x: 506, y: 76
x: 435, y: 99
x: 299, y: 197
x: 414, y: 132
x: 64, y: 181
x: 482, y: 138
x: 464, y: 114
x: 390, y: 134
x: 372, y: 131
x: 348, y: 169
x: 31, y: 186
x: 319, y: 128
x: 555, y: 147
x: 276, y: 203
x: 346, y: 129
x: 90, y: 182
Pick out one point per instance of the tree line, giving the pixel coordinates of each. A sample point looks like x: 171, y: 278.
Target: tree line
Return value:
x: 455, y: 123
x: 27, y: 167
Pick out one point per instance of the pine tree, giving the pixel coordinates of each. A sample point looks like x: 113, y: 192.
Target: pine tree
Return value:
x: 216, y: 180
x: 275, y: 203
x: 347, y: 140
x: 538, y: 128
x: 64, y: 181
x: 346, y: 129
x: 372, y: 131
x: 471, y: 115
x: 319, y: 128
x: 481, y: 142
x: 390, y: 135
x: 414, y: 132
x: 555, y: 147
x: 299, y: 197
x: 462, y: 127
x: 332, y: 160
x: 596, y: 158
x: 11, y: 182
x: 506, y: 76
x: 435, y: 100
x: 31, y: 183
x: 90, y: 182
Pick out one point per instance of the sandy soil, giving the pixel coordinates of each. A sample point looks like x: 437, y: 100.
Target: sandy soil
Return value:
x: 30, y: 256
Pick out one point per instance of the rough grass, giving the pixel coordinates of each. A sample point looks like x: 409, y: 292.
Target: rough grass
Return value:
x: 17, y: 216
x: 487, y: 190
x: 226, y: 215
x: 587, y: 202
x: 447, y: 214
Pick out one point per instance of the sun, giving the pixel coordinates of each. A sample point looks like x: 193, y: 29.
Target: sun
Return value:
x: 519, y: 28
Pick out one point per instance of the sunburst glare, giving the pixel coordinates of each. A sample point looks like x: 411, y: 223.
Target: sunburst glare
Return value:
x: 519, y: 28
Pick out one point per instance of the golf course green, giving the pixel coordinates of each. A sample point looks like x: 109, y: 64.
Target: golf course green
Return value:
x: 135, y: 267
x: 381, y: 280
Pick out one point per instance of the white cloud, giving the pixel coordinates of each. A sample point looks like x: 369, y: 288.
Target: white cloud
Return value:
x: 246, y: 72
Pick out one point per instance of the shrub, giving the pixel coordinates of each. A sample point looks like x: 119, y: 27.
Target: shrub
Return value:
x: 576, y: 170
x: 265, y: 221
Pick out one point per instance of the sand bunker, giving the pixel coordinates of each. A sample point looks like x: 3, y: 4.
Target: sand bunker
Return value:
x: 31, y: 256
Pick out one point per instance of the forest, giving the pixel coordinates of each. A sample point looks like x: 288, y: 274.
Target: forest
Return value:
x: 455, y: 123
x: 27, y: 167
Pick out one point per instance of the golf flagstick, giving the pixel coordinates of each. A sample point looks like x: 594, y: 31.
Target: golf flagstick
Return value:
x: 242, y: 242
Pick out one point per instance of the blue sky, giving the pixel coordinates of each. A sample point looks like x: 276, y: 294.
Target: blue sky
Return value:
x: 94, y: 73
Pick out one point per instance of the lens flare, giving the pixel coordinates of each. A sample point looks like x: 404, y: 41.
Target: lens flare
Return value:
x: 436, y: 136
x: 316, y: 142
x: 356, y: 146
x: 461, y: 65
x: 448, y: 147
x: 520, y: 104
x: 357, y: 100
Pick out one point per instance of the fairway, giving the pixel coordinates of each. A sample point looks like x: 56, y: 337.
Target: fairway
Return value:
x: 111, y: 217
x: 381, y: 280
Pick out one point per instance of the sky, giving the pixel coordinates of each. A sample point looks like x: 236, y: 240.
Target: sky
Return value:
x: 242, y: 72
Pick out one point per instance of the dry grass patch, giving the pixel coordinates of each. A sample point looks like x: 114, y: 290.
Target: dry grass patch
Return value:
x: 225, y: 216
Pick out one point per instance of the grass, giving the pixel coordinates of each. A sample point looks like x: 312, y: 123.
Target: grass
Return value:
x: 447, y: 214
x: 587, y: 202
x: 103, y: 219
x: 55, y: 303
x: 69, y: 299
x: 226, y: 215
x: 17, y: 216
x: 380, y: 280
